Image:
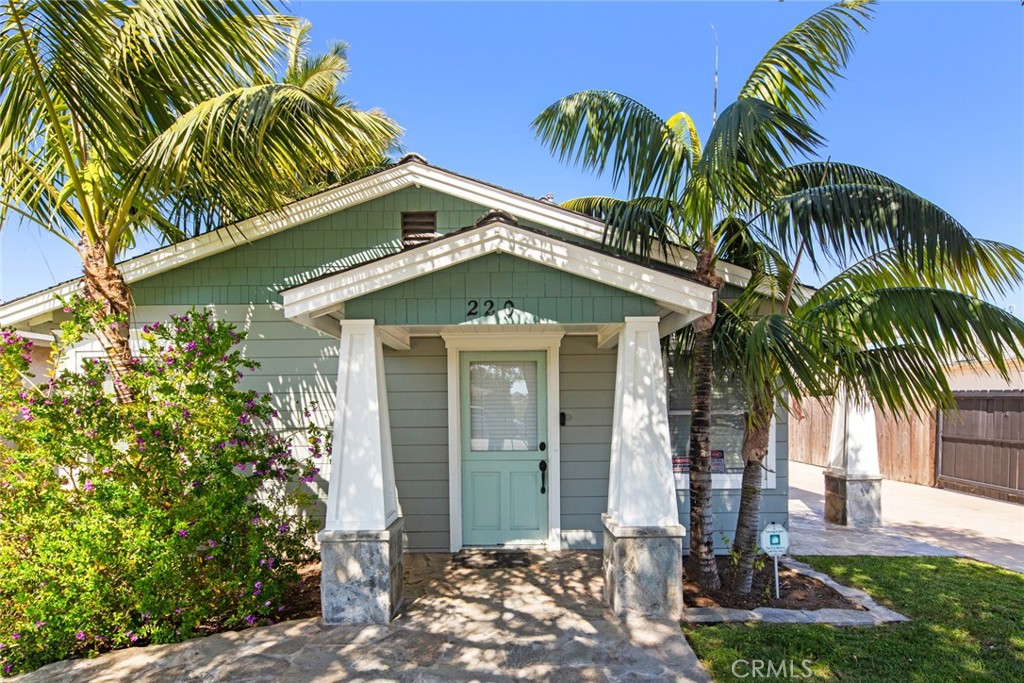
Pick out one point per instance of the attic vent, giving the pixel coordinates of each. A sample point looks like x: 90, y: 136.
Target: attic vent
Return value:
x: 418, y: 227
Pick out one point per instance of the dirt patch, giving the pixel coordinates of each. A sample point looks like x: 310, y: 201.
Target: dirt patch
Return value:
x: 797, y: 591
x: 302, y: 599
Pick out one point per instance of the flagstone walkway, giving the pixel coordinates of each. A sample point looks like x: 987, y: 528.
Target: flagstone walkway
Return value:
x: 463, y: 623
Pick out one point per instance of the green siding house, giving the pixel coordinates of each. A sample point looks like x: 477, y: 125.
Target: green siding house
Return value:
x: 491, y: 376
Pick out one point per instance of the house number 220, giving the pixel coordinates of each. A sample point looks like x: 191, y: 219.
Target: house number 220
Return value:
x: 474, y: 306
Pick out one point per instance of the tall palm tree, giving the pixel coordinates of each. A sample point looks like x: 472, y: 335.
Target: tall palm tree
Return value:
x: 126, y: 117
x: 908, y: 302
x: 692, y: 194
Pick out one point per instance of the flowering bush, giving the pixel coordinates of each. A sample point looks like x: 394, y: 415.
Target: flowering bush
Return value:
x: 142, y: 522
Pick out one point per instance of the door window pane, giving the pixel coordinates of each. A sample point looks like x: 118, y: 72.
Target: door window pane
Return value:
x: 503, y: 406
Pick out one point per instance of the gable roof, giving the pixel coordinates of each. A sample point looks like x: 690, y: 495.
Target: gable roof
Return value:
x: 411, y: 171
x: 495, y: 234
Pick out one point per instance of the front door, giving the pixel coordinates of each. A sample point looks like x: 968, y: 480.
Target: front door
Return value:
x: 503, y: 398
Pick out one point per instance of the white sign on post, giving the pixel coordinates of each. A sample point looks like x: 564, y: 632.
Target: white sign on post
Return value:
x: 774, y: 540
x: 775, y: 543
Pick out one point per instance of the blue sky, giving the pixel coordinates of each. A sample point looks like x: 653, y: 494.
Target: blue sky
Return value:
x: 934, y: 96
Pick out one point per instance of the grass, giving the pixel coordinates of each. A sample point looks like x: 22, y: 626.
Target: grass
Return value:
x: 967, y: 624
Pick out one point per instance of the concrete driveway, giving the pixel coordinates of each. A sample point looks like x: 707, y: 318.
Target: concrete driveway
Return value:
x: 917, y: 520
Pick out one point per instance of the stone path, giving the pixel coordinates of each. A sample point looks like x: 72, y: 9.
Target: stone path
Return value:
x: 917, y: 520
x: 544, y: 622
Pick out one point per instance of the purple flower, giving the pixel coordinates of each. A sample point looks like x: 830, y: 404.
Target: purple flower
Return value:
x: 256, y: 520
x: 89, y: 486
x: 7, y: 669
x: 80, y: 635
x: 179, y: 610
x: 250, y: 620
x: 182, y: 533
x: 190, y: 346
x: 212, y: 544
x: 106, y: 470
x: 15, y: 636
x: 40, y: 624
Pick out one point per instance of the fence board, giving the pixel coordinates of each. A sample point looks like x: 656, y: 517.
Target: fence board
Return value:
x: 906, y: 447
x: 982, y: 448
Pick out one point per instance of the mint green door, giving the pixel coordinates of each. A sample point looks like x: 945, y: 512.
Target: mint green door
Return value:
x: 503, y: 399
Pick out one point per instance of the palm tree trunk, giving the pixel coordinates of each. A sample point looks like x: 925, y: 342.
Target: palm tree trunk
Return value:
x: 105, y: 285
x: 702, y: 543
x: 744, y: 545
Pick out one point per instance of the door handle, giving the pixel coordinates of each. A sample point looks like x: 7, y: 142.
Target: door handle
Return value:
x: 543, y: 446
x: 543, y: 465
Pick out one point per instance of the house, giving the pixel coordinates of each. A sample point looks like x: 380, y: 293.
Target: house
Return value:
x: 493, y: 377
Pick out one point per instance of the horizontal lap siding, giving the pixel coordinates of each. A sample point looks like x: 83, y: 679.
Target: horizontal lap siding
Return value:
x: 586, y: 395
x: 298, y: 370
x: 418, y: 408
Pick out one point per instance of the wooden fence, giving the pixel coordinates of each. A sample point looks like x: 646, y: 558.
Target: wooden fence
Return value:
x: 906, y: 447
x: 982, y: 447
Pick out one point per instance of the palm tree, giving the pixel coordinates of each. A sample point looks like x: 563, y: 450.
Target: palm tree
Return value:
x: 682, y: 191
x: 884, y: 329
x: 122, y: 118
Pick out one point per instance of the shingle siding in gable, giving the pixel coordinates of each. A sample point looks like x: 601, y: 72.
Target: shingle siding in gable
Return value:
x: 255, y: 272
x: 538, y: 295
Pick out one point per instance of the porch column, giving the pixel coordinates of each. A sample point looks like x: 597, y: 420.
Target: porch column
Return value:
x: 361, y: 544
x: 853, y: 480
x: 643, y: 540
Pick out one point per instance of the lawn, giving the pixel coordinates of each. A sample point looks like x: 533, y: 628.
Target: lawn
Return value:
x: 967, y: 625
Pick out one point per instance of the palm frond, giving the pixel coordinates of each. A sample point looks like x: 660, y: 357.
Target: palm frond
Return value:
x: 799, y: 71
x: 995, y: 269
x: 252, y: 149
x: 600, y: 130
x: 632, y: 226
x: 943, y: 325
x: 749, y: 145
x: 848, y: 220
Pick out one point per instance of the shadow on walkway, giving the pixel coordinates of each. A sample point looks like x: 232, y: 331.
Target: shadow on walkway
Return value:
x: 544, y: 621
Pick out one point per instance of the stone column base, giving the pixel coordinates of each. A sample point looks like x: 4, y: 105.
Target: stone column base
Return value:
x: 852, y: 500
x: 361, y: 578
x: 643, y: 569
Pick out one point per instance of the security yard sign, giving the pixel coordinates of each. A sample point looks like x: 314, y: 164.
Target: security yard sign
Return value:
x: 774, y: 540
x: 775, y: 543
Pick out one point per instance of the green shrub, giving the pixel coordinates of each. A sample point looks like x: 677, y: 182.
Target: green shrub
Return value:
x: 145, y: 522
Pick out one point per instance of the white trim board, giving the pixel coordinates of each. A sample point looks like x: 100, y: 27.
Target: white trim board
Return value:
x: 408, y: 174
x: 457, y: 342
x: 321, y: 297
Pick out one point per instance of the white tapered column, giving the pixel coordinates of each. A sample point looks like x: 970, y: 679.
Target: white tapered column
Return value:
x: 643, y: 537
x: 362, y: 494
x: 853, y: 480
x: 361, y: 544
